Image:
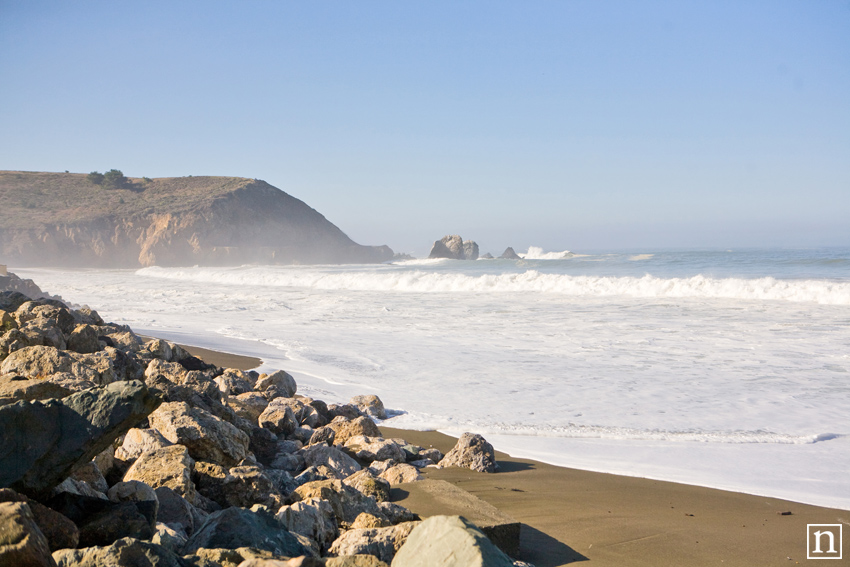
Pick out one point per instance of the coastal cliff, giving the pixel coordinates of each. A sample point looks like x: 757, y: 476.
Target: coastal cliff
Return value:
x: 63, y: 219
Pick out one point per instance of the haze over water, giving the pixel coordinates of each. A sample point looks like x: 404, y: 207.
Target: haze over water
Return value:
x: 721, y: 368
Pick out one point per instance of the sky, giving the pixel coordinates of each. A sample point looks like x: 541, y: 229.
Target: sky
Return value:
x: 570, y: 125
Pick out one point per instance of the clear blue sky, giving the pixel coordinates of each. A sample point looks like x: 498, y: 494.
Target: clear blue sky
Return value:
x: 568, y: 125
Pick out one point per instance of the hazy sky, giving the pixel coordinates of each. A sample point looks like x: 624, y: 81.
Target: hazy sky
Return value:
x: 568, y: 125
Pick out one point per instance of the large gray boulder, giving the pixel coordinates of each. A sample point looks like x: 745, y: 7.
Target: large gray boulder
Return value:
x: 207, y: 437
x: 449, y: 541
x: 21, y: 542
x: 42, y: 442
x: 472, y: 451
x: 237, y: 527
x: 123, y: 553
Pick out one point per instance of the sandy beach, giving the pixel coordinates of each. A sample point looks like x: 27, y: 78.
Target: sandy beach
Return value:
x: 570, y: 515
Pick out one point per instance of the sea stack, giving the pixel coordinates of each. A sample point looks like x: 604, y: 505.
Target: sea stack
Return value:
x: 454, y: 247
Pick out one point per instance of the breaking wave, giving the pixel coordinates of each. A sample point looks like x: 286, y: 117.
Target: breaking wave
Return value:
x: 825, y: 292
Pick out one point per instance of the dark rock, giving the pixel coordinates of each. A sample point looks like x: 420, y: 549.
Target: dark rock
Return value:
x: 509, y: 254
x: 11, y: 300
x: 174, y: 510
x: 101, y: 522
x: 84, y: 339
x: 42, y: 442
x: 21, y: 542
x: 238, y: 527
x: 454, y: 247
x: 126, y: 552
x: 60, y: 531
x: 195, y: 363
x: 263, y: 444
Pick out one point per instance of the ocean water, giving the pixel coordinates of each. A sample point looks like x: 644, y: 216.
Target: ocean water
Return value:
x: 727, y: 368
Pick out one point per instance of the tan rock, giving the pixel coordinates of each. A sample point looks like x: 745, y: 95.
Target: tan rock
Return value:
x: 170, y: 466
x: 370, y: 485
x: 383, y: 543
x: 371, y: 405
x: 241, y: 486
x: 249, y: 405
x: 321, y: 454
x: 206, y: 436
x: 21, y: 542
x: 140, y: 441
x: 401, y: 473
x: 374, y: 449
x: 347, y: 503
x: 83, y: 339
x: 354, y: 561
x: 311, y: 517
x: 472, y: 451
x: 365, y: 520
x: 275, y: 385
x: 345, y: 429
x: 278, y: 417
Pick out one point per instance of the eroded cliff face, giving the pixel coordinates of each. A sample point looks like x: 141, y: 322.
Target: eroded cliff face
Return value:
x: 177, y: 223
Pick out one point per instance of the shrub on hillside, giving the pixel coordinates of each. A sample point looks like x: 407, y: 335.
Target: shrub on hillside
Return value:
x: 95, y: 177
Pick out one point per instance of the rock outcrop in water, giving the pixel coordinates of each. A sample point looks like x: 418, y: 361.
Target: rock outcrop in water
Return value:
x: 454, y: 247
x: 62, y: 219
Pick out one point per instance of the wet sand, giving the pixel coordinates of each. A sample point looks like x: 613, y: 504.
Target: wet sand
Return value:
x: 571, y: 515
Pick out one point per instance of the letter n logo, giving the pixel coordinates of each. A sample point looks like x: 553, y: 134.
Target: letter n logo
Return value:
x: 823, y: 541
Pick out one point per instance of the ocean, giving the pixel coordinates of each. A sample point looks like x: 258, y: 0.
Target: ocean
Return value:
x: 722, y: 368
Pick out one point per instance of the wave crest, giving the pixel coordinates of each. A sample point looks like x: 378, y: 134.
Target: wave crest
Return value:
x: 824, y: 292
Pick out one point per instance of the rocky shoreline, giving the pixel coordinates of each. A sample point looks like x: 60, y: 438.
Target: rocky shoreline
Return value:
x: 121, y: 452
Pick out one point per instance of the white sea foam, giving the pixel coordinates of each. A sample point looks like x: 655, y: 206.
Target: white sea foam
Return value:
x: 817, y: 291
x: 576, y: 362
x: 535, y: 253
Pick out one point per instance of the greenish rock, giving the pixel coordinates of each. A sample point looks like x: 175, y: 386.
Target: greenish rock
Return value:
x: 41, y: 443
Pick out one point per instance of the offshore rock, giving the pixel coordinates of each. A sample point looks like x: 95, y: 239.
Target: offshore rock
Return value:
x: 472, y: 451
x: 454, y: 247
x: 449, y: 541
x: 509, y: 254
x: 42, y: 442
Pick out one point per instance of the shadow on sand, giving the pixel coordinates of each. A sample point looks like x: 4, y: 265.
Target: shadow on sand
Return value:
x: 542, y: 550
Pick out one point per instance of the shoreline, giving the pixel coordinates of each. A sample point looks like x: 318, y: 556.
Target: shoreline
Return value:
x: 572, y: 515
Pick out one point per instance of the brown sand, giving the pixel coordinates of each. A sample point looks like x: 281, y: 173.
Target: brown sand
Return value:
x: 222, y: 359
x: 570, y: 515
